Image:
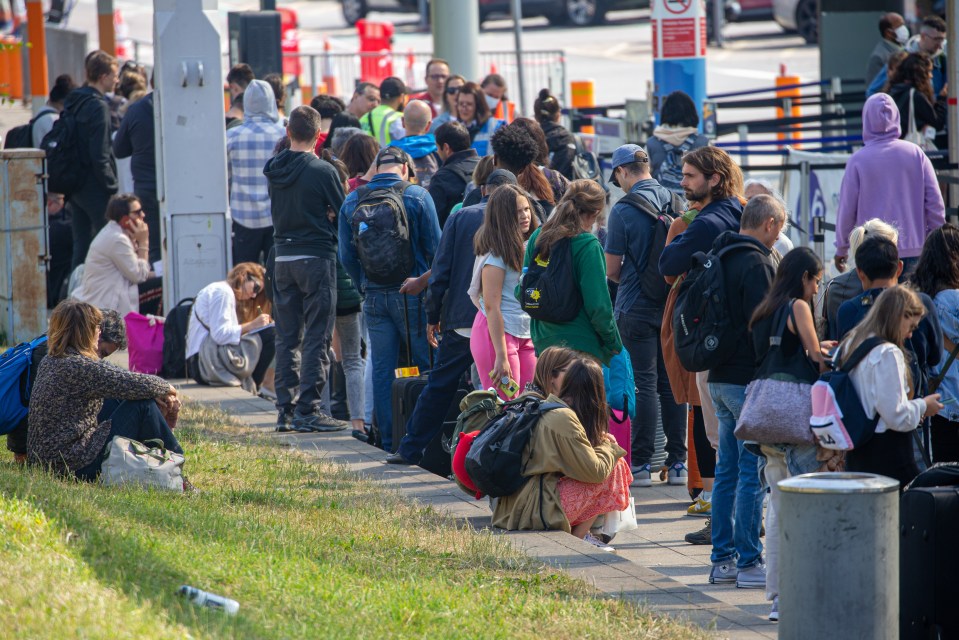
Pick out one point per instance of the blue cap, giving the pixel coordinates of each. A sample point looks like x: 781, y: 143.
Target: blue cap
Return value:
x: 629, y: 153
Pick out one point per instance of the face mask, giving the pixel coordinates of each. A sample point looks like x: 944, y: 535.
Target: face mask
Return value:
x: 902, y: 34
x: 492, y: 102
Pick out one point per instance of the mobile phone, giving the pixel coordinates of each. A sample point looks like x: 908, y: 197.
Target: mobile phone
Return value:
x: 127, y: 223
x: 508, y: 386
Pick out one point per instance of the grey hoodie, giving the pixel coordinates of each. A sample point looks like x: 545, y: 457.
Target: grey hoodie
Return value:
x: 259, y: 101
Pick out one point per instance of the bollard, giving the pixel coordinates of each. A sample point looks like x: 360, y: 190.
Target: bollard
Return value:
x: 4, y: 69
x: 794, y: 110
x: 839, y: 557
x: 15, y: 69
x: 583, y: 94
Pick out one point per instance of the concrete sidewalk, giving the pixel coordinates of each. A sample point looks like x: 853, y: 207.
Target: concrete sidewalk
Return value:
x: 652, y: 565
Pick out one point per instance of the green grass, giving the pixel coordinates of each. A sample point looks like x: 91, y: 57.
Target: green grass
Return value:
x: 308, y: 549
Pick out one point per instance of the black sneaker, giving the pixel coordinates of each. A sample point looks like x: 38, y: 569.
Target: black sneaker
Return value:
x: 703, y: 536
x: 284, y: 421
x: 397, y: 458
x: 318, y: 422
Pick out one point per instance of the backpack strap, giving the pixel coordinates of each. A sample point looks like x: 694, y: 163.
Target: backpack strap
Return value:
x: 641, y: 203
x: 852, y: 361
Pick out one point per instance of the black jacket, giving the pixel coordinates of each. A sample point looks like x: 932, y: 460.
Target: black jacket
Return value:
x: 747, y: 274
x: 348, y: 298
x: 448, y: 301
x: 93, y: 136
x: 304, y: 190
x: 135, y: 138
x: 933, y: 115
x: 562, y: 148
x: 449, y: 183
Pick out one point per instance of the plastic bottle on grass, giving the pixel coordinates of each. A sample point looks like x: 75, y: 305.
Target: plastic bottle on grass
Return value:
x: 210, y: 600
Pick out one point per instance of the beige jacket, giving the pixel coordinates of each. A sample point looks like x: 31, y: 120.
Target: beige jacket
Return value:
x: 559, y: 447
x: 112, y: 272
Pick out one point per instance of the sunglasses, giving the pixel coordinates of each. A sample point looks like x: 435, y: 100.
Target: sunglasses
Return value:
x: 136, y: 212
x: 452, y: 90
x: 257, y: 287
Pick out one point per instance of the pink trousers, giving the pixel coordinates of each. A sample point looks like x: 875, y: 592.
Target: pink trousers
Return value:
x: 519, y: 353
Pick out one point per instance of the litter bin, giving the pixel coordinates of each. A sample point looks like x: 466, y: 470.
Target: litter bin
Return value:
x: 839, y: 557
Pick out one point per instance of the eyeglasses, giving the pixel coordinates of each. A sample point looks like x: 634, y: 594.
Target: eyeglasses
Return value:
x: 437, y: 76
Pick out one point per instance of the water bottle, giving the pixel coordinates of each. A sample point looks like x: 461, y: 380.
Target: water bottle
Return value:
x: 210, y: 600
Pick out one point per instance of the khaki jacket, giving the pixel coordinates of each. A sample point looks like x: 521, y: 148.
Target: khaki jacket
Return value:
x: 559, y: 447
x: 112, y: 272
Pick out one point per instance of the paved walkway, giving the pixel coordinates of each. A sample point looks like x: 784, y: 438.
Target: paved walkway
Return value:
x: 652, y: 565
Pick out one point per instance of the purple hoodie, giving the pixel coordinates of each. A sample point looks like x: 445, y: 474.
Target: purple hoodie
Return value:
x: 889, y: 179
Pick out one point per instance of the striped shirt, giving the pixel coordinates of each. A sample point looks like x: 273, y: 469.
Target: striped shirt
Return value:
x: 248, y: 147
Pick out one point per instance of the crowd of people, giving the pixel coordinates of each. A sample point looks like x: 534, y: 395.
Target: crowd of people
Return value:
x: 396, y: 230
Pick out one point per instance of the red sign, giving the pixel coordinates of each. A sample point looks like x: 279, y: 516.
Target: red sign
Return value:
x: 655, y: 38
x: 679, y: 38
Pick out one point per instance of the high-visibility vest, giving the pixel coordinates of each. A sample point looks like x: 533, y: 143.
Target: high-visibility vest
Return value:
x: 505, y: 110
x: 378, y: 121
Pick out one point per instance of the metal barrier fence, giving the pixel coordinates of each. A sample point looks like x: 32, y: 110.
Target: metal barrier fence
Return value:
x: 542, y: 69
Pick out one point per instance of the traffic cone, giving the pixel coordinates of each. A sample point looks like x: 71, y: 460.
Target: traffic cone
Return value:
x: 122, y: 31
x: 329, y: 76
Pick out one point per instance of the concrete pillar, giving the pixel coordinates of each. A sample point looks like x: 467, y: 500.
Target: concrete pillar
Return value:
x: 456, y: 36
x: 839, y: 557
x: 23, y: 246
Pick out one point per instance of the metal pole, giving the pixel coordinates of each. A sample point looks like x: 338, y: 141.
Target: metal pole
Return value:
x: 36, y: 35
x: 518, y: 38
x: 719, y: 17
x: 267, y: 5
x: 743, y: 131
x: 107, y: 33
x: 456, y: 36
x: 804, y: 200
x: 839, y: 556
x: 953, y: 83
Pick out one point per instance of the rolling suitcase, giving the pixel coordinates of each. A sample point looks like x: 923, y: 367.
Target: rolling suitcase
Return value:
x: 928, y: 563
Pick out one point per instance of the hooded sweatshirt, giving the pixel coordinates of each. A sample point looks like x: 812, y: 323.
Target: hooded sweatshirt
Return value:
x: 426, y: 160
x: 248, y: 147
x: 890, y: 179
x: 303, y: 190
x: 715, y: 218
x: 562, y: 148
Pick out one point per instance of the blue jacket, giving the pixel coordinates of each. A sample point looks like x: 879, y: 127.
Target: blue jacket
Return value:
x: 712, y: 221
x: 424, y: 230
x: 417, y: 146
x: 453, y: 271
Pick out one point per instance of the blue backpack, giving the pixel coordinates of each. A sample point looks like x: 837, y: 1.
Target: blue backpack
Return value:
x: 838, y: 420
x: 15, y: 383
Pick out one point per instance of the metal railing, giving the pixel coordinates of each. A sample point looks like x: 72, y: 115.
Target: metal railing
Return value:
x: 542, y: 69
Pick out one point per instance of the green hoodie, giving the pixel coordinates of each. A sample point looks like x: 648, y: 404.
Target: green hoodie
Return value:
x: 594, y: 329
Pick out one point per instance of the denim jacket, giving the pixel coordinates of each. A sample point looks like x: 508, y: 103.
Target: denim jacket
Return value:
x: 424, y: 230
x: 947, y: 309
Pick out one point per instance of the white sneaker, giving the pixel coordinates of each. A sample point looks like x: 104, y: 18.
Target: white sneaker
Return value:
x: 596, y: 542
x: 642, y: 476
x: 678, y: 474
x: 752, y: 578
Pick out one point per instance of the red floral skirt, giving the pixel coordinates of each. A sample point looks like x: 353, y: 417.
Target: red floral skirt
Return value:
x: 582, y: 501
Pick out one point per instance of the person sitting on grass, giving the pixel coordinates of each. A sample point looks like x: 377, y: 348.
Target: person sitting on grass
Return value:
x: 113, y: 337
x: 577, y: 470
x: 71, y: 422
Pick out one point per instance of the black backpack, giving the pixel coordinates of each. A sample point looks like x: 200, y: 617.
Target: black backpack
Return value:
x: 670, y: 171
x: 651, y: 280
x: 174, y: 339
x: 21, y: 137
x: 381, y: 234
x: 548, y: 287
x: 495, y: 462
x: 703, y: 330
x: 66, y: 163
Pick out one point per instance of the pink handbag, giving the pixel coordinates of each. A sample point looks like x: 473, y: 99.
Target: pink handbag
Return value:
x: 145, y: 339
x: 619, y: 426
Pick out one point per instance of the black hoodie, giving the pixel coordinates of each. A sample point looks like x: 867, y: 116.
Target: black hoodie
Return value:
x: 748, y: 275
x: 303, y: 192
x: 93, y: 136
x: 562, y: 148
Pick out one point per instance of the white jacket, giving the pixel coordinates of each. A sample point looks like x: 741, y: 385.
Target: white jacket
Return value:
x: 215, y: 306
x: 112, y: 272
x: 880, y: 382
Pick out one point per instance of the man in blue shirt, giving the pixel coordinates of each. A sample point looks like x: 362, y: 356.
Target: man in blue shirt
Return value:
x: 639, y: 312
x: 390, y: 315
x: 449, y: 313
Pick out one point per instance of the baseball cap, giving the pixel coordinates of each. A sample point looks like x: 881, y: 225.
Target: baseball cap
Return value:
x: 392, y: 87
x: 392, y: 155
x: 627, y: 154
x: 499, y: 177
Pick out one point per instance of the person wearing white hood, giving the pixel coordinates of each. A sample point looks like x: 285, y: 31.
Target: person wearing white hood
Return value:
x: 677, y: 135
x: 895, y: 34
x: 248, y: 147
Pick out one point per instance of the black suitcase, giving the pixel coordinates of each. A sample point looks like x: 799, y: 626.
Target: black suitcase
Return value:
x: 406, y: 391
x: 928, y: 563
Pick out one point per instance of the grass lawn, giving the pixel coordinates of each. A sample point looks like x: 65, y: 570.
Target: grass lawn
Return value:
x: 308, y: 549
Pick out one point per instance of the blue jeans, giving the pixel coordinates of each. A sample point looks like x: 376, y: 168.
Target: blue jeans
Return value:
x: 654, y: 395
x: 737, y: 494
x: 386, y: 321
x: 453, y: 359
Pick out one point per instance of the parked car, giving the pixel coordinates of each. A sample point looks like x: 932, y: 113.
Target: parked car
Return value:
x: 798, y: 15
x: 574, y: 12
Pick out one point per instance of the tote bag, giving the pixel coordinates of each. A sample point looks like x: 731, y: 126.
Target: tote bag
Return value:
x: 145, y: 339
